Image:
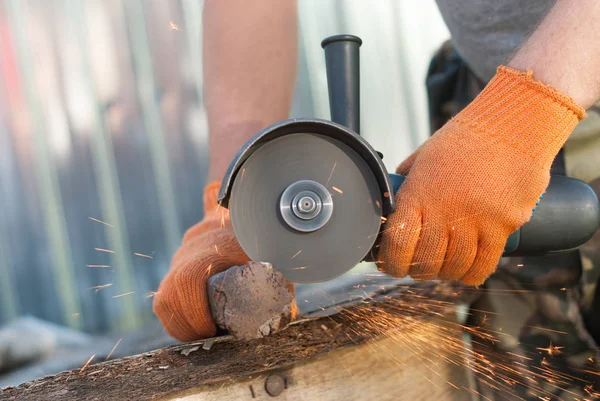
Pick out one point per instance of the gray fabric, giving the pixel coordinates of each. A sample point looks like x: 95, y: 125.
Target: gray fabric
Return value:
x: 486, y: 33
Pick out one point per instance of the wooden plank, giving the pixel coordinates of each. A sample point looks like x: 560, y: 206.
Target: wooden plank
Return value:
x: 384, y: 369
x: 405, y: 334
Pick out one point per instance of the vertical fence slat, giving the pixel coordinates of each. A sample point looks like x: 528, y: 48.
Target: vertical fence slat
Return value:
x: 54, y: 221
x: 144, y: 74
x: 8, y: 296
x: 8, y: 290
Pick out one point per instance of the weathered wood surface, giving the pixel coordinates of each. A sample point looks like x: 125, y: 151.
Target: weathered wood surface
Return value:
x: 380, y: 370
x: 167, y: 371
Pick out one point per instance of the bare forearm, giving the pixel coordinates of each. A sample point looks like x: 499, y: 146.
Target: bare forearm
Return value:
x: 564, y: 50
x: 250, y: 55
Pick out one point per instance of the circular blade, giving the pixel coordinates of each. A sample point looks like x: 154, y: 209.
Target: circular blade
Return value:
x: 306, y: 257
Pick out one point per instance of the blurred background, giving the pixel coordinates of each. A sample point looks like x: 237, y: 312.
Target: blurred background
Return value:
x: 103, y: 138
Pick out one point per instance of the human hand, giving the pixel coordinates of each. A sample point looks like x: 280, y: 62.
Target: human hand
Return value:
x: 476, y: 181
x: 209, y: 247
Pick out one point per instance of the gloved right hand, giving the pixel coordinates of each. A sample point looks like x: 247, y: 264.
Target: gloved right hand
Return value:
x: 209, y: 247
x: 477, y: 180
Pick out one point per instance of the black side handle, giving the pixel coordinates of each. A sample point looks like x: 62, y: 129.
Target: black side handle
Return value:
x: 343, y: 79
x: 568, y: 216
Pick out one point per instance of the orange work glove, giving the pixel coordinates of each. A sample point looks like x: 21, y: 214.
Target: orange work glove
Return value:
x: 477, y: 180
x: 209, y: 247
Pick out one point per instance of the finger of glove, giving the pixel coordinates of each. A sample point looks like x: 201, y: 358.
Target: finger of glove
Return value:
x: 166, y: 303
x: 430, y: 251
x: 460, y: 255
x: 489, y: 252
x: 399, y: 240
x: 167, y: 308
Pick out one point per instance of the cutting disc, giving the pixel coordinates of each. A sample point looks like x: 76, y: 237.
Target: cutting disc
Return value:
x: 275, y: 197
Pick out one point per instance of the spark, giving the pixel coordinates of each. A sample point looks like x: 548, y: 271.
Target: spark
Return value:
x: 520, y: 265
x: 331, y: 173
x: 99, y: 266
x: 551, y: 350
x: 104, y: 250
x: 87, y: 363
x: 100, y: 221
x: 299, y: 268
x: 174, y: 26
x: 143, y: 255
x: 336, y: 189
x: 113, y: 349
x: 378, y: 204
x: 519, y: 356
x: 383, y: 219
x: 435, y: 343
x: 590, y: 390
x: 545, y: 329
x: 125, y: 294
x: 217, y: 249
x: 100, y: 287
x: 297, y: 253
x: 453, y: 385
x: 151, y: 294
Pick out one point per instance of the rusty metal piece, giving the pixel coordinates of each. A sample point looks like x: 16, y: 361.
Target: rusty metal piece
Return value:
x: 250, y: 301
x: 275, y: 384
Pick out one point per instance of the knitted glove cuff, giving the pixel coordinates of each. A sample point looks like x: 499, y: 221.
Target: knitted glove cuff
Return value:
x: 530, y: 116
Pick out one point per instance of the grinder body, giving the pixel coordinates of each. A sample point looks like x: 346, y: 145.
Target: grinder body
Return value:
x: 308, y: 195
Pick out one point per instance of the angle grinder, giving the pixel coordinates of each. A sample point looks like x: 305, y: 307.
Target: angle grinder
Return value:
x: 309, y: 196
